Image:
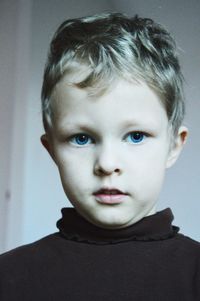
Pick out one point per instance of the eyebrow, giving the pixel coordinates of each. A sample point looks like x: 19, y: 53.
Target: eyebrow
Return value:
x: 74, y: 124
x: 83, y: 126
x: 144, y: 123
x: 90, y: 127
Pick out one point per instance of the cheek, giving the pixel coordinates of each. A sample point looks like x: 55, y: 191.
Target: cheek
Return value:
x: 147, y: 169
x: 146, y: 176
x: 147, y: 161
x: 74, y: 167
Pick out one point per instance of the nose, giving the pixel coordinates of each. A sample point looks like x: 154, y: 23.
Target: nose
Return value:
x: 107, y: 162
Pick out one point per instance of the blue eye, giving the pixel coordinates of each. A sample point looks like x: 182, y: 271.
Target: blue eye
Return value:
x: 135, y: 137
x: 81, y: 139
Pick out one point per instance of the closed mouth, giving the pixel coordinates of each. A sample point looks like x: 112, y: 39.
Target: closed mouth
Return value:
x: 110, y: 196
x: 112, y: 191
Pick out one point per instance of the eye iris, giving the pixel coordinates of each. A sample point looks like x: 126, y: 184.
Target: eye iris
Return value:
x: 137, y: 137
x: 81, y: 139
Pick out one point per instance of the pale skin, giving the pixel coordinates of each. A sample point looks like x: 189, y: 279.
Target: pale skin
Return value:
x: 119, y: 142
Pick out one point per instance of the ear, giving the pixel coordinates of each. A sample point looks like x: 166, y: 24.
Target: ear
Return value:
x: 46, y: 142
x: 177, y: 146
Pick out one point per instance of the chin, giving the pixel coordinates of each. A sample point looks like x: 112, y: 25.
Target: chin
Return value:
x: 111, y: 223
x: 109, y: 219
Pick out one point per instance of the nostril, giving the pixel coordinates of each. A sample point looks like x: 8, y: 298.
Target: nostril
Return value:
x: 99, y: 170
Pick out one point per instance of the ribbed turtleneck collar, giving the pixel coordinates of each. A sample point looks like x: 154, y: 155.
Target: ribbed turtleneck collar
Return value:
x: 153, y: 227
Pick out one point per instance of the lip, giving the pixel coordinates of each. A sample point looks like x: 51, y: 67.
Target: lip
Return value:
x: 110, y: 196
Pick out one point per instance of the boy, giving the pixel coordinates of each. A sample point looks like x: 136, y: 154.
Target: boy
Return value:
x: 112, y: 110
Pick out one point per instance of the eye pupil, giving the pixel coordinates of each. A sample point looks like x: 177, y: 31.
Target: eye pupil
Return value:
x: 81, y: 139
x: 136, y: 137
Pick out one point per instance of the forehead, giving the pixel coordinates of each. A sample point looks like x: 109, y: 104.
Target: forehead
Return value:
x: 123, y: 102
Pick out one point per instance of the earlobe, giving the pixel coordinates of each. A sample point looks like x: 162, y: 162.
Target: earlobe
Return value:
x: 177, y: 147
x: 45, y: 140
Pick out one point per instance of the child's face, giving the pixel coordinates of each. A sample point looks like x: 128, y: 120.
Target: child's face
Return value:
x: 111, y: 151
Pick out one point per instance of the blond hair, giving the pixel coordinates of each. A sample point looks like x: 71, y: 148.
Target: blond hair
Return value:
x: 112, y: 46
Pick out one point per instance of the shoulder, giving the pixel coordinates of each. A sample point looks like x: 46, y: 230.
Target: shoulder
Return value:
x: 28, y: 267
x: 23, y: 256
x: 187, y: 246
x: 188, y: 241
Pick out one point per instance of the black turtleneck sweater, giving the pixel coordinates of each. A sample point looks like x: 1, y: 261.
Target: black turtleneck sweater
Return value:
x: 149, y: 260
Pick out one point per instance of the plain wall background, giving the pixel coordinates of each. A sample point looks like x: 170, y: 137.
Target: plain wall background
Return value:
x: 31, y: 195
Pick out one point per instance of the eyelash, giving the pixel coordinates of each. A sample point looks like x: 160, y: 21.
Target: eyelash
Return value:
x: 74, y: 139
x: 87, y: 140
x: 142, y: 136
